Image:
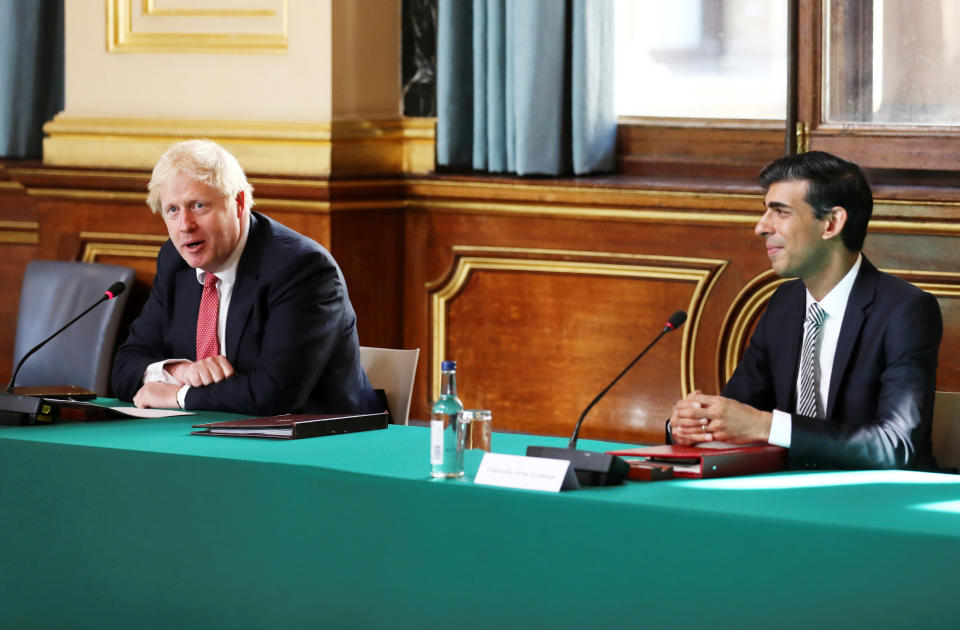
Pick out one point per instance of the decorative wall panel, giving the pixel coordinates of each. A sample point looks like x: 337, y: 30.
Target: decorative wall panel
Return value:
x: 542, y: 290
x: 546, y: 315
x: 197, y: 26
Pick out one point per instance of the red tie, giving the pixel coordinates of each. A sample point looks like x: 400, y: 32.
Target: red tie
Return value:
x: 208, y: 345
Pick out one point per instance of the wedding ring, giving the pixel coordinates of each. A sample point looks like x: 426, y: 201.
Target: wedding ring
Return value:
x: 703, y: 422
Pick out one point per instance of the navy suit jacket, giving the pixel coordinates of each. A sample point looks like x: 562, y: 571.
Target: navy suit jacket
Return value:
x: 291, y: 331
x: 880, y: 404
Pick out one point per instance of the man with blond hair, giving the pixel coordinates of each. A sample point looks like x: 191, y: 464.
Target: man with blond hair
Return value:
x: 245, y: 314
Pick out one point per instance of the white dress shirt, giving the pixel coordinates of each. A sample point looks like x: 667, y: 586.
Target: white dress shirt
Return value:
x: 834, y: 305
x: 226, y: 278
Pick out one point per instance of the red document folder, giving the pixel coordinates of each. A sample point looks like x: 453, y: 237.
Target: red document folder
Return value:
x: 295, y: 426
x: 701, y: 463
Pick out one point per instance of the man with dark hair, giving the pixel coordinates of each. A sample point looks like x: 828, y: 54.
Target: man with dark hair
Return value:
x: 841, y: 368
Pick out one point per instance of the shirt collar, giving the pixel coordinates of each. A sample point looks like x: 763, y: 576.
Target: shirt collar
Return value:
x: 229, y: 273
x: 835, y: 302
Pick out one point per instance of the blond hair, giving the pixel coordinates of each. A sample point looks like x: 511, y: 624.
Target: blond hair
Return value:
x: 204, y: 161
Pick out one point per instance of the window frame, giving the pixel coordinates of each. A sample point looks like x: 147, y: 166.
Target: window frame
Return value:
x: 874, y: 147
x: 894, y: 154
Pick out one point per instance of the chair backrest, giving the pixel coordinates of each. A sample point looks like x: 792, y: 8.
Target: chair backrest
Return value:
x: 53, y: 293
x: 392, y: 371
x: 946, y: 429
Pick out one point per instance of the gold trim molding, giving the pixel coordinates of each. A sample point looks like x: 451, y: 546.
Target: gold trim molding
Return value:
x: 354, y: 147
x: 19, y: 238
x: 267, y: 204
x: 938, y: 283
x: 673, y: 213
x: 93, y: 251
x: 96, y: 244
x: 20, y: 232
x: 178, y: 128
x: 366, y: 147
x: 743, y: 312
x: 87, y: 195
x: 582, y: 212
x: 19, y: 225
x: 121, y: 237
x: 914, y: 227
x: 745, y: 309
x: 803, y: 137
x: 703, y: 272
x: 149, y: 7
x: 122, y: 38
x: 284, y: 148
x: 478, y: 187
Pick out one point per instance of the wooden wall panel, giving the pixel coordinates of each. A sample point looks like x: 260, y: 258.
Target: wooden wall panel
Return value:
x: 948, y: 372
x: 543, y: 290
x: 576, y: 321
x: 17, y: 248
x: 640, y: 228
x: 368, y: 246
x: 19, y: 238
x: 137, y: 251
x: 453, y: 215
x: 101, y: 216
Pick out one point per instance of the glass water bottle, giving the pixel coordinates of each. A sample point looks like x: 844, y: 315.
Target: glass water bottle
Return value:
x: 446, y: 460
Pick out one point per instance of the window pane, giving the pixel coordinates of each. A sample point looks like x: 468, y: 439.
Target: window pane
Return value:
x: 892, y: 62
x: 701, y: 58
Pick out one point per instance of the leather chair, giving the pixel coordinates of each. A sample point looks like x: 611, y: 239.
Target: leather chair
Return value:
x: 393, y: 372
x: 946, y: 429
x: 53, y: 293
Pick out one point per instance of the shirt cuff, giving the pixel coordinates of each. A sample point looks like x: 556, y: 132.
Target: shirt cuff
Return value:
x: 156, y: 374
x: 780, y: 429
x: 182, y: 396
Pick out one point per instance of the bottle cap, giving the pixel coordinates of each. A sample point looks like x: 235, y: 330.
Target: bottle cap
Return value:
x: 448, y: 365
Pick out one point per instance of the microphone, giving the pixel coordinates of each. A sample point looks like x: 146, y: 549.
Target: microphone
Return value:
x: 601, y: 469
x: 676, y: 320
x: 16, y: 409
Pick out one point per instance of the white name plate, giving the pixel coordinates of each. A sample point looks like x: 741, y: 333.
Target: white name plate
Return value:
x: 526, y: 473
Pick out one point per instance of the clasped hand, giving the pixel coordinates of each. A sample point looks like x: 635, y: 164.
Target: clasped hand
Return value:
x: 199, y: 373
x: 701, y: 418
x: 193, y: 373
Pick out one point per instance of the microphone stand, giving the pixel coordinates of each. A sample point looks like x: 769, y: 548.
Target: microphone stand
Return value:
x: 16, y: 409
x: 592, y: 468
x: 16, y: 370
x: 576, y: 430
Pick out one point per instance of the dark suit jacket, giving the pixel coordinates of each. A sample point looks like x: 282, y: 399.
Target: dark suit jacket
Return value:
x: 880, y: 403
x: 291, y: 330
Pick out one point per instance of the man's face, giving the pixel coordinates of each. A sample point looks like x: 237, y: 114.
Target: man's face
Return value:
x: 200, y: 222
x: 792, y: 233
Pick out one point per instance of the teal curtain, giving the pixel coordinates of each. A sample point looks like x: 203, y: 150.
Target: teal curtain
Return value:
x: 525, y: 86
x: 31, y: 73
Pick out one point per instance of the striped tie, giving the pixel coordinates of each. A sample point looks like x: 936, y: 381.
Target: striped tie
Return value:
x: 808, y: 402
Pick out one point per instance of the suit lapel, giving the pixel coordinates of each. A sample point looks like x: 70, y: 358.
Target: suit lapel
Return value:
x: 244, y: 288
x: 186, y: 305
x: 786, y: 369
x: 861, y: 296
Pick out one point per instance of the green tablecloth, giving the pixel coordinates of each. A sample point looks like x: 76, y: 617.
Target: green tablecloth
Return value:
x: 137, y: 523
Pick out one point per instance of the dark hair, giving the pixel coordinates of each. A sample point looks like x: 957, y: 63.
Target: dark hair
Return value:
x: 833, y: 182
